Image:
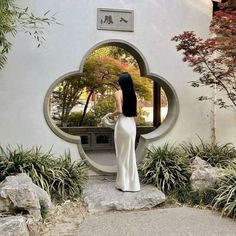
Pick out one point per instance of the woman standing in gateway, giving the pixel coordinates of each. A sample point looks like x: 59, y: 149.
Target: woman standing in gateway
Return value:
x: 127, y: 178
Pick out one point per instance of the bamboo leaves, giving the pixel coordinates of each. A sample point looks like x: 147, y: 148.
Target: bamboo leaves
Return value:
x: 14, y: 19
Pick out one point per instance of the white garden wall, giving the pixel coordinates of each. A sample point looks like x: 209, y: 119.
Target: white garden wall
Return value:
x: 30, y: 70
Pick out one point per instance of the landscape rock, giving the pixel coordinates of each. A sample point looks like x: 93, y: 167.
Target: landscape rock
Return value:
x: 101, y: 195
x: 44, y: 198
x: 18, y: 192
x: 33, y: 226
x: 203, y: 175
x: 13, y: 226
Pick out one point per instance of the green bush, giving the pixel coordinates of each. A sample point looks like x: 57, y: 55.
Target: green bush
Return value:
x: 208, y: 195
x: 204, y: 197
x: 215, y: 154
x: 140, y: 118
x: 93, y: 116
x: 75, y: 117
x: 60, y: 177
x: 226, y: 191
x: 102, y: 107
x: 182, y: 194
x: 168, y: 168
x: 165, y: 167
x: 89, y: 120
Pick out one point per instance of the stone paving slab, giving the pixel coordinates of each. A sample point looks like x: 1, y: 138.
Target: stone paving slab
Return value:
x: 100, y: 194
x: 181, y: 221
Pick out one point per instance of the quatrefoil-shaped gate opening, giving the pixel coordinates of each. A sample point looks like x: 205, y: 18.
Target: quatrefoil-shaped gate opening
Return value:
x: 145, y: 139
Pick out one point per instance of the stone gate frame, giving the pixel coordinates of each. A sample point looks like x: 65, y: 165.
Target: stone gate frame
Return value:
x: 161, y: 131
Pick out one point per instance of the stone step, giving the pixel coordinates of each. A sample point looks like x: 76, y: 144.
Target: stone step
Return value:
x: 100, y: 194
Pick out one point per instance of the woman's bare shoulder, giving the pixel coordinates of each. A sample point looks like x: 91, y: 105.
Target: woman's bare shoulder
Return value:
x: 118, y: 93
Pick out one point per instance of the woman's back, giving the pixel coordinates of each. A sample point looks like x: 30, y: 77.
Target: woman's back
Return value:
x: 129, y: 100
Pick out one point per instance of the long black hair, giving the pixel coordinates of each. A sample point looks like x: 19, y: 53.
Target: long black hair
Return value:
x: 129, y: 106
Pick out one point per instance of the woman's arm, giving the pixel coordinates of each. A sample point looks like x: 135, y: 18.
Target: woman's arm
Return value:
x: 118, y: 109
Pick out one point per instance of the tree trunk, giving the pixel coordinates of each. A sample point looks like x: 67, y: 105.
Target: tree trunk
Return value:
x: 86, y: 106
x: 213, y: 117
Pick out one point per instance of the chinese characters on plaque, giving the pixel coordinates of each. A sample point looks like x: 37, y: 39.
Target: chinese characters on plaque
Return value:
x: 113, y: 19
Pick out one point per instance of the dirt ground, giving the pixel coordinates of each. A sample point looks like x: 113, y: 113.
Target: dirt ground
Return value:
x: 64, y: 219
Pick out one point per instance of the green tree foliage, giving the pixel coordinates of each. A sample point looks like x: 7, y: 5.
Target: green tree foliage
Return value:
x: 117, y: 53
x: 102, y: 107
x: 98, y: 81
x: 66, y: 95
x: 214, y: 58
x: 102, y: 73
x: 14, y: 19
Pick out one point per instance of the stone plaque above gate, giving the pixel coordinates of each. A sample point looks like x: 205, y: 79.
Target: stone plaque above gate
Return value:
x: 115, y: 19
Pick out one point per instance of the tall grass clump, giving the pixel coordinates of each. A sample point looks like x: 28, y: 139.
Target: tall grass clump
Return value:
x: 218, y: 155
x: 226, y: 191
x: 165, y: 167
x: 195, y: 197
x: 60, y: 177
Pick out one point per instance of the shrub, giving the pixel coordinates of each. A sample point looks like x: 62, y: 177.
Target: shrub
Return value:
x: 215, y: 154
x: 165, y: 167
x: 60, y: 177
x: 73, y: 175
x: 140, y: 118
x: 226, y: 192
x: 92, y: 117
x: 102, y: 107
x: 203, y: 197
x: 89, y: 120
x: 182, y: 194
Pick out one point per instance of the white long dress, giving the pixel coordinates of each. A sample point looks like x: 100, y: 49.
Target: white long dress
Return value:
x: 127, y: 178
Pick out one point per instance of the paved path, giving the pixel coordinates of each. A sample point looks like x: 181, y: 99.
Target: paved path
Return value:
x: 181, y: 221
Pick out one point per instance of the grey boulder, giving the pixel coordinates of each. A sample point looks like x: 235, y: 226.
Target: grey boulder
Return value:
x: 19, y: 192
x: 203, y: 175
x: 13, y: 226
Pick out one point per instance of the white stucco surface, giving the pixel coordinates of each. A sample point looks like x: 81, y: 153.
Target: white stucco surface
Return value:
x: 225, y: 124
x: 30, y: 70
